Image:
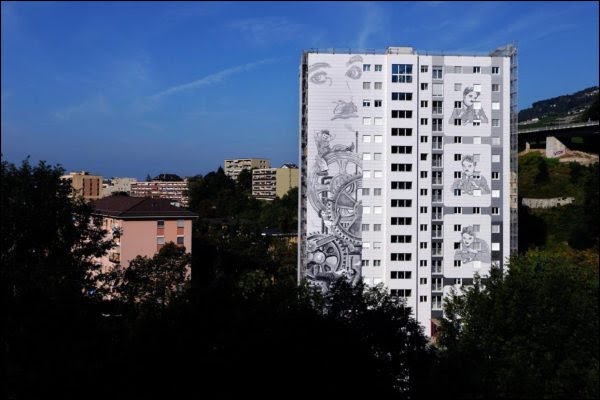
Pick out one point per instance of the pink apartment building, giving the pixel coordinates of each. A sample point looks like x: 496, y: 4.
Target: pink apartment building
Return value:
x: 141, y: 226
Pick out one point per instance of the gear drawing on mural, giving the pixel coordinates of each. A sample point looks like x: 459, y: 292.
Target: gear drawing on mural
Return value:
x: 318, y: 75
x: 472, y: 248
x: 470, y: 179
x: 327, y: 260
x: 468, y: 113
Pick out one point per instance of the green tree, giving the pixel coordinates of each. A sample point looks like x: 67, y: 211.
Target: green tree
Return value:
x: 529, y: 333
x: 244, y: 181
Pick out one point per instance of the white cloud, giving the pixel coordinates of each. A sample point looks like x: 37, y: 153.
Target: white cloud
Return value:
x: 373, y: 23
x: 97, y: 105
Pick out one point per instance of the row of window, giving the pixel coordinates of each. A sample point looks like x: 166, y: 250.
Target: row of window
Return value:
x: 367, y: 67
x: 477, y: 193
x: 457, y: 69
x: 160, y: 224
x: 161, y: 240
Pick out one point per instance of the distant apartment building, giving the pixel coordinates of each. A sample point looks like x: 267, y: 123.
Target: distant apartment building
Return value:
x: 270, y: 183
x: 140, y: 226
x: 233, y: 167
x: 86, y: 185
x: 176, y: 191
x: 118, y: 185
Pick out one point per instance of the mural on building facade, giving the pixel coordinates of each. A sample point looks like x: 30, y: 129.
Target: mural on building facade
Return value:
x: 468, y: 113
x: 470, y: 179
x: 318, y: 75
x: 472, y: 248
x: 333, y: 185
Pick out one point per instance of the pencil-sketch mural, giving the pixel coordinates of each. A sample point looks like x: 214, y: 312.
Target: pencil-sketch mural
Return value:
x: 470, y: 179
x: 470, y: 109
x: 318, y: 75
x: 335, y: 251
x: 344, y: 110
x: 472, y: 248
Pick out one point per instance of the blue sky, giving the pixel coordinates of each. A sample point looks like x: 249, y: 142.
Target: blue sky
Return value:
x: 127, y: 89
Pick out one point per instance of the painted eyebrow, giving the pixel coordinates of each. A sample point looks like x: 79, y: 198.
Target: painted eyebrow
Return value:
x: 353, y: 59
x: 317, y: 66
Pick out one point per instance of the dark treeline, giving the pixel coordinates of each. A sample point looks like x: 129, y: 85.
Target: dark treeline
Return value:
x: 244, y: 326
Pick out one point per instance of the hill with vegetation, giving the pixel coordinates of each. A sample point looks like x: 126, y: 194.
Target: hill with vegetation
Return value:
x: 570, y: 108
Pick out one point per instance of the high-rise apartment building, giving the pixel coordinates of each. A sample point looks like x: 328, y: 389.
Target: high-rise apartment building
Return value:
x: 177, y: 191
x: 408, y: 170
x: 85, y: 185
x: 270, y: 183
x: 233, y: 167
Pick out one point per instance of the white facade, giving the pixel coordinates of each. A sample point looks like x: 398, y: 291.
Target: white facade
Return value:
x: 406, y: 171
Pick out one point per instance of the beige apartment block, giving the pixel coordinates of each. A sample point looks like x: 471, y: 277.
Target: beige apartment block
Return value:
x: 86, y: 185
x: 118, y: 185
x: 233, y: 167
x: 175, y: 191
x: 269, y: 183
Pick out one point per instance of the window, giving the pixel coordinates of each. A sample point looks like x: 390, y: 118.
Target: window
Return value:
x: 377, y: 245
x: 457, y: 192
x: 424, y: 174
x: 436, y: 125
x: 377, y: 263
x: 496, y: 158
x: 458, y: 281
x: 378, y: 174
x: 437, y: 107
x: 400, y: 293
x: 400, y: 239
x: 424, y: 86
x: 457, y: 263
x: 423, y: 192
x: 377, y: 157
x: 436, y: 302
x: 423, y: 299
x: 160, y: 224
x: 401, y: 256
x: 495, y: 175
x: 377, y: 191
x: 423, y: 227
x: 457, y: 157
x: 401, y: 203
x: 366, y: 67
x: 377, y: 103
x: 423, y: 156
x: 366, y: 103
x: 378, y: 121
x: 457, y: 139
x: 495, y: 228
x: 457, y: 122
x: 495, y: 246
x: 366, y: 210
x: 436, y: 284
x: 437, y: 72
x: 423, y: 210
x: 423, y: 263
x: 378, y: 85
x: 437, y: 143
x: 423, y: 139
x: 376, y: 227
x: 458, y: 69
x: 365, y: 191
x: 180, y: 223
x: 457, y: 87
x: 378, y: 68
x: 402, y: 73
x: 457, y: 210
x: 401, y: 167
x: 401, y: 114
x: 457, y: 227
x: 366, y: 156
x: 457, y: 174
x: 365, y: 263
x: 366, y: 173
x: 495, y: 105
x: 401, y: 131
x: 366, y: 138
x: 477, y: 192
x: 476, y: 70
x: 423, y: 121
x: 436, y: 213
x: 401, y: 221
x: 424, y: 103
x: 476, y: 210
x: 160, y: 240
x: 476, y: 123
x: 495, y: 87
x: 378, y: 138
x: 436, y: 266
x: 423, y: 245
x: 424, y: 68
x: 179, y: 239
x: 438, y: 89
x: 495, y: 193
x: 401, y: 96
x: 437, y: 178
x: 495, y: 122
x: 495, y: 70
x: 477, y: 87
x: 401, y: 185
x: 458, y: 104
x: 366, y: 121
x: 377, y: 210
x: 401, y: 149
x: 365, y: 227
x: 456, y: 245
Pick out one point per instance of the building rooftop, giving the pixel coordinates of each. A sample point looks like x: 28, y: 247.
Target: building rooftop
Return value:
x: 126, y: 207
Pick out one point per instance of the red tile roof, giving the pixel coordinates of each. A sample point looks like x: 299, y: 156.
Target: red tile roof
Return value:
x: 126, y: 207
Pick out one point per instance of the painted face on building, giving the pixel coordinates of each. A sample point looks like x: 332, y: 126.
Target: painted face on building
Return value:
x: 468, y: 167
x: 470, y: 97
x: 467, y: 239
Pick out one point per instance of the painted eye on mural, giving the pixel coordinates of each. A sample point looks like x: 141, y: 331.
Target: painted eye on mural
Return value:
x: 320, y: 78
x: 354, y: 72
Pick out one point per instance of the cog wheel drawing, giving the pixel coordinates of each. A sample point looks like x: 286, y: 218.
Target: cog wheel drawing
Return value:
x: 338, y: 163
x: 326, y: 256
x: 344, y: 210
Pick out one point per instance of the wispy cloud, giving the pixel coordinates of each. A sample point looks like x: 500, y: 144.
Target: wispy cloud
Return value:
x: 373, y: 23
x: 212, y: 79
x: 267, y: 31
x: 97, y: 105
